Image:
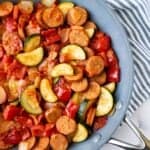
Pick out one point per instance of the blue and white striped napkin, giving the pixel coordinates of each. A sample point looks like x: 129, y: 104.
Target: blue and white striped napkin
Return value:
x: 134, y: 15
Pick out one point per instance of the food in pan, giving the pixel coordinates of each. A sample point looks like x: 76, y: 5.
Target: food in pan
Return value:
x: 58, y: 73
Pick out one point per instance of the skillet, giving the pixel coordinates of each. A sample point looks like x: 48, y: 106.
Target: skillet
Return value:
x: 107, y: 22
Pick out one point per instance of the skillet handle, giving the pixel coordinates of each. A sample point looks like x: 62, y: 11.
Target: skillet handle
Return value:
x: 123, y: 144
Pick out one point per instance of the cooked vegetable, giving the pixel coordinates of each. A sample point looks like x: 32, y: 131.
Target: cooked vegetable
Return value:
x: 63, y: 69
x: 3, y: 95
x: 110, y: 86
x: 47, y: 91
x: 90, y: 32
x: 79, y: 37
x: 48, y: 3
x: 99, y: 123
x: 5, y: 8
x: 84, y: 106
x: 98, y: 64
x: 27, y: 144
x: 58, y: 141
x: 72, y: 52
x: 32, y: 58
x: 77, y: 16
x: 105, y: 103
x: 25, y: 6
x: 71, y: 109
x: 53, y: 114
x: 65, y: 7
x: 93, y: 91
x: 29, y: 101
x: 79, y: 86
x: 78, y: 74
x: 66, y: 125
x: 32, y: 42
x: 81, y: 133
x: 53, y: 17
x: 63, y: 90
x: 42, y: 144
x: 90, y: 116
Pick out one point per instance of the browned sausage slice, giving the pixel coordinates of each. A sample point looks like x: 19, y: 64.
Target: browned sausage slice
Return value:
x: 79, y: 86
x: 90, y: 116
x: 12, y: 43
x: 66, y: 125
x: 93, y: 91
x: 101, y: 79
x: 6, y: 8
x: 42, y: 144
x: 78, y: 74
x: 53, y: 114
x: 53, y: 17
x: 79, y: 37
x: 64, y: 34
x: 77, y: 16
x: 58, y: 142
x: 38, y: 17
x: 89, y: 52
x: 95, y: 65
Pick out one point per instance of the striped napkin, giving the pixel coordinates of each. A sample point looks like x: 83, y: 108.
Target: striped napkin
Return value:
x: 134, y: 15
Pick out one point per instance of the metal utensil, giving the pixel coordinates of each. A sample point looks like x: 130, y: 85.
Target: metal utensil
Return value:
x: 145, y: 142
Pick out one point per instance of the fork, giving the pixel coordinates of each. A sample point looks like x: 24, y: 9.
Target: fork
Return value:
x: 145, y: 142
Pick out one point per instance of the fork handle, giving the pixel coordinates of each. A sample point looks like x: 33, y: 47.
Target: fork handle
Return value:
x: 123, y: 144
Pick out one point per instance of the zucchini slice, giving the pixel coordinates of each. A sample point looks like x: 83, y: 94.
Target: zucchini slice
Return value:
x: 48, y: 3
x: 105, y: 103
x: 47, y: 92
x: 62, y: 70
x: 29, y: 101
x: 81, y: 133
x: 84, y: 106
x: 32, y: 58
x: 110, y: 86
x: 32, y: 42
x: 65, y: 6
x: 72, y: 52
x: 90, y: 32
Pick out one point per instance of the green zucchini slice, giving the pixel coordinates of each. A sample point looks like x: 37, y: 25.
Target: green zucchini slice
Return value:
x: 29, y: 101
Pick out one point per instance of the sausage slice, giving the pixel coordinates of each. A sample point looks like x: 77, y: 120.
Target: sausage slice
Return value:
x: 66, y: 125
x: 95, y: 65
x: 53, y: 114
x: 53, y: 17
x: 12, y: 43
x: 79, y: 37
x: 58, y: 142
x: 77, y: 16
x: 6, y: 8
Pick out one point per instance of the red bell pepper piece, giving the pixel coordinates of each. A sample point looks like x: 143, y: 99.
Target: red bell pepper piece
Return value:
x: 25, y: 121
x: 63, y: 90
x: 10, y: 112
x: 13, y: 137
x: 37, y: 130
x: 49, y: 129
x: 71, y: 109
x: 99, y: 122
x: 101, y: 42
x: 113, y: 70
